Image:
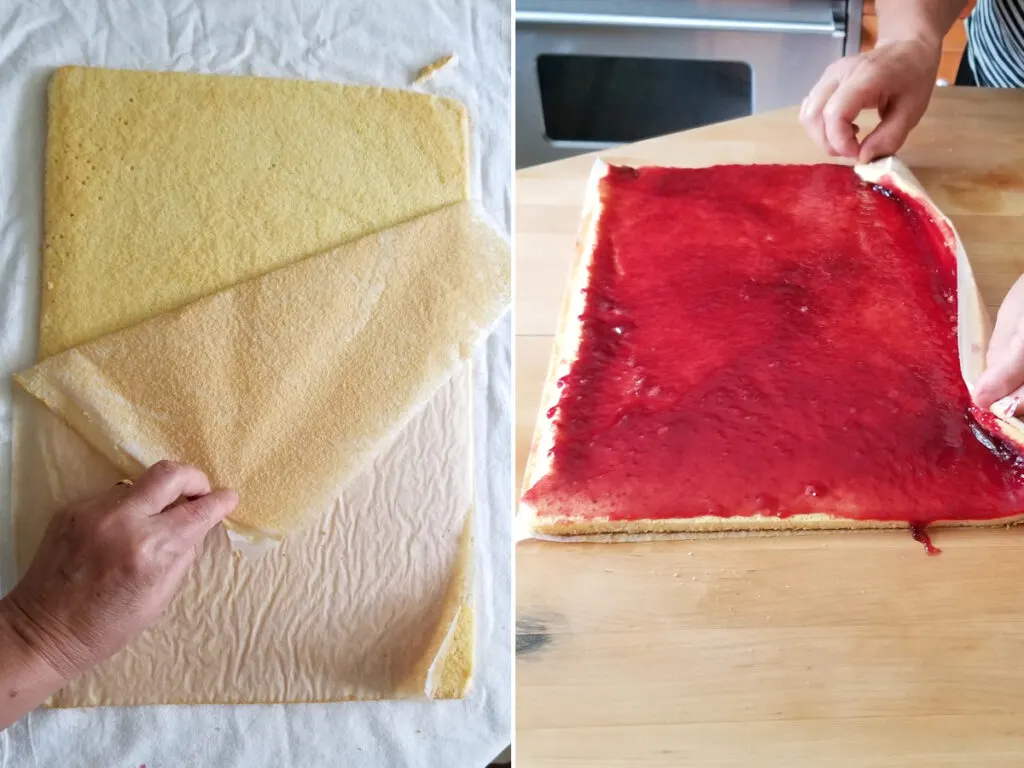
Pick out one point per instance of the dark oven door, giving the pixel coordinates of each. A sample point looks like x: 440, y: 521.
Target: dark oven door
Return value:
x: 591, y: 74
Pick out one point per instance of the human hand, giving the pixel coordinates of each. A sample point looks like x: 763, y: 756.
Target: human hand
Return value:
x: 107, y: 567
x: 1004, y: 374
x: 896, y: 78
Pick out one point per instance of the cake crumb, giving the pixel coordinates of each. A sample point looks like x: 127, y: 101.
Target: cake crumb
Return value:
x: 433, y: 68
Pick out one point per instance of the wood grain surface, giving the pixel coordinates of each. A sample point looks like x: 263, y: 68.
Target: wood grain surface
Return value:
x: 835, y: 649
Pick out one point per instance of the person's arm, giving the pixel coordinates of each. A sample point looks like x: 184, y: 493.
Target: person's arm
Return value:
x: 927, y: 20
x: 896, y: 78
x: 105, y: 570
x: 27, y: 680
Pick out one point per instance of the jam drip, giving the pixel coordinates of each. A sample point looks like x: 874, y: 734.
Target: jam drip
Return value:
x: 919, y: 532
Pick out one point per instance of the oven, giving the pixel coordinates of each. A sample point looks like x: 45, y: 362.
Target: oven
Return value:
x: 591, y: 74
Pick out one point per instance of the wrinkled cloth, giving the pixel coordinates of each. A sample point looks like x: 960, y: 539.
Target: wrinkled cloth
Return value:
x: 354, y: 42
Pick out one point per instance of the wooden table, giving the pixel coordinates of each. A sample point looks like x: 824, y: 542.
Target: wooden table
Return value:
x: 822, y: 649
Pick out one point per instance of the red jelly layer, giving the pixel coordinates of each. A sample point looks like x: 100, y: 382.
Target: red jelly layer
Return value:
x: 771, y: 340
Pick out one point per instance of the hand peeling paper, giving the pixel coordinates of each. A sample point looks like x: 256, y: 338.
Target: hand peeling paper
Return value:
x: 362, y: 605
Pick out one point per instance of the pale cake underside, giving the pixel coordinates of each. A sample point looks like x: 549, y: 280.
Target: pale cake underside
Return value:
x: 973, y: 333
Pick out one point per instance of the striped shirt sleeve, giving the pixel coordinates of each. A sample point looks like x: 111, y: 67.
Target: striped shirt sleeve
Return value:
x: 995, y: 43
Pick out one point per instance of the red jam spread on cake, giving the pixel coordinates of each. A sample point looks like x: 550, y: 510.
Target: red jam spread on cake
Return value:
x: 770, y: 340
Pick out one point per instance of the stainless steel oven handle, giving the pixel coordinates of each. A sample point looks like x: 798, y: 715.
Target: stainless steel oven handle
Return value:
x: 677, y: 22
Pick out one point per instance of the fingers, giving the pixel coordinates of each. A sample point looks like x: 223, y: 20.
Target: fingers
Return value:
x: 1005, y: 372
x: 1000, y: 345
x: 812, y: 107
x: 1001, y: 379
x: 853, y: 95
x: 1002, y: 334
x: 164, y: 483
x: 1005, y: 333
x: 1018, y: 400
x: 194, y: 518
x: 846, y: 89
x: 889, y: 134
x: 1009, y: 405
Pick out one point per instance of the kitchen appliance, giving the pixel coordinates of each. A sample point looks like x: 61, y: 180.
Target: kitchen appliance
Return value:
x: 591, y: 74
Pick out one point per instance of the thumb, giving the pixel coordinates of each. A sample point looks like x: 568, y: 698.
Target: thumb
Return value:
x: 999, y: 381
x: 196, y: 517
x: 889, y: 135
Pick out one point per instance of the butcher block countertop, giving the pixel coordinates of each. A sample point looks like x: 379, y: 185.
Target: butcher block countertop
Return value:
x: 834, y: 649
